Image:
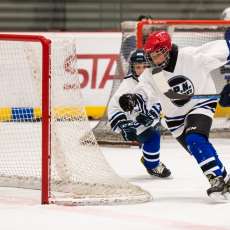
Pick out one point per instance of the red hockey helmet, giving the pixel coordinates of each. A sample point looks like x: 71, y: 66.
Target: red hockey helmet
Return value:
x: 158, y: 43
x: 158, y: 40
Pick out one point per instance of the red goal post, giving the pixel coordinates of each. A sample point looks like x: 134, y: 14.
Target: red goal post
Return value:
x: 46, y: 44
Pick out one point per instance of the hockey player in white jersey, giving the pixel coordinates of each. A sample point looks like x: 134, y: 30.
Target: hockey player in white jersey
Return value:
x: 226, y: 14
x: 184, y: 72
x: 127, y: 123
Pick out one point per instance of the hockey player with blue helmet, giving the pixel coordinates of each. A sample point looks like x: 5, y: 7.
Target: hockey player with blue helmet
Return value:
x: 128, y: 116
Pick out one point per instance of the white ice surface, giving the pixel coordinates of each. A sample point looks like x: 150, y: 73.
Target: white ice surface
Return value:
x: 179, y: 203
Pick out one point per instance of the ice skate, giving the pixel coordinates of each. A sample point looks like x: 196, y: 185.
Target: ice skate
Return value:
x: 226, y: 192
x: 218, y: 189
x: 160, y: 171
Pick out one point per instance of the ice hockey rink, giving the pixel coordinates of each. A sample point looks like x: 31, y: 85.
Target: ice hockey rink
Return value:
x: 179, y: 202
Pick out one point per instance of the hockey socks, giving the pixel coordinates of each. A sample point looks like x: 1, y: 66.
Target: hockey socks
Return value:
x: 151, y: 155
x: 151, y: 150
x: 209, y: 162
x: 205, y: 154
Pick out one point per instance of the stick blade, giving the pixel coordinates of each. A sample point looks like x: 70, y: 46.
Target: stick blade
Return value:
x: 172, y: 95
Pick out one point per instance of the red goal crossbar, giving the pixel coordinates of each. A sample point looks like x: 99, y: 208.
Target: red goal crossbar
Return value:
x: 141, y: 24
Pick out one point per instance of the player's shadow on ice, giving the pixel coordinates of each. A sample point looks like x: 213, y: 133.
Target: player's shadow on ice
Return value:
x: 147, y: 178
x: 167, y: 196
x: 183, y: 200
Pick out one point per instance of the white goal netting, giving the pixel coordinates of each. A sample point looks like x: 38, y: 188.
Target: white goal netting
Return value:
x: 183, y: 33
x: 78, y: 172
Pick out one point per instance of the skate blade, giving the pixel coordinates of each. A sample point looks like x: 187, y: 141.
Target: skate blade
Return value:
x: 160, y: 177
x: 227, y: 196
x: 219, y: 198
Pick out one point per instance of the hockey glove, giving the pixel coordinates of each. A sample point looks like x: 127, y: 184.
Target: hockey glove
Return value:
x: 225, y: 96
x: 127, y: 102
x: 148, y: 118
x: 128, y: 130
x: 145, y: 119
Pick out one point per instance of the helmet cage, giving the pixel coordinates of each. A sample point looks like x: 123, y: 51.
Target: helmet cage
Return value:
x: 162, y: 51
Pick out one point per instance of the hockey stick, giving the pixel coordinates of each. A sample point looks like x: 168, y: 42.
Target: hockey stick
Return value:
x: 172, y: 95
x: 159, y: 82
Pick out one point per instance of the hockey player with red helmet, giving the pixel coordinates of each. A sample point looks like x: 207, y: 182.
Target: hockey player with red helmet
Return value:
x: 158, y: 49
x: 185, y: 71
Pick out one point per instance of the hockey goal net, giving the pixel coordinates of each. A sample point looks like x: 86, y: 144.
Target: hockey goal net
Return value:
x: 184, y: 33
x: 45, y: 138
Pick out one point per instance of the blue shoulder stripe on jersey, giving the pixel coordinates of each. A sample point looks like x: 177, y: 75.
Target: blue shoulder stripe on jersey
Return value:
x: 114, y: 123
x: 141, y: 103
x: 114, y: 115
x: 155, y: 110
x: 140, y: 96
x: 156, y: 107
x: 227, y: 39
x: 154, y: 113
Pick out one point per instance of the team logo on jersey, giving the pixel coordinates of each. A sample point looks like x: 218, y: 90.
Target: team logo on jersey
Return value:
x: 182, y: 85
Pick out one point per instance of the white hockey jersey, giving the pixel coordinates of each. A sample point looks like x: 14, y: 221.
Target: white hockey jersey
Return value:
x: 115, y: 113
x: 190, y: 74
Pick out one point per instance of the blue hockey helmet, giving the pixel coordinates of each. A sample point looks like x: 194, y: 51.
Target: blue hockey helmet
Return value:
x: 137, y: 56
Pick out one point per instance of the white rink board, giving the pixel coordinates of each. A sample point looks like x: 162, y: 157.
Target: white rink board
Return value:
x: 96, y: 51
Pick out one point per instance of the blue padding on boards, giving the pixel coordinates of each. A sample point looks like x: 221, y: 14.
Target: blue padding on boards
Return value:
x: 22, y: 114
